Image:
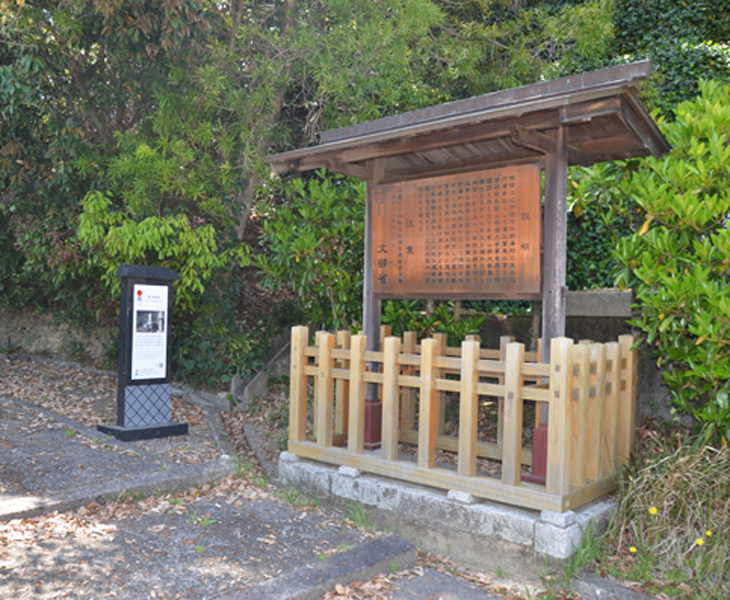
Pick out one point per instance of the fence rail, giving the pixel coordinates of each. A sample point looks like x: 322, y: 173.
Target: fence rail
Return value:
x: 589, y: 388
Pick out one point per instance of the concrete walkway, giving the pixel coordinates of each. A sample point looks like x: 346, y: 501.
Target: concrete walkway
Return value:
x: 213, y: 546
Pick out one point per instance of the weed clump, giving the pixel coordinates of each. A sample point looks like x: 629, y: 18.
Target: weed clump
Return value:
x: 670, y: 532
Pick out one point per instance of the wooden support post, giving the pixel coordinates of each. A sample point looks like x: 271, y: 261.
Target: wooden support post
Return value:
x: 468, y: 409
x: 298, y: 385
x: 512, y: 440
x: 555, y: 243
x: 555, y: 256
x: 356, y: 426
x: 609, y: 444
x: 323, y: 398
x: 627, y: 398
x: 557, y: 480
x: 342, y: 387
x: 408, y: 394
x: 371, y: 313
x: 391, y: 370
x: 428, y: 408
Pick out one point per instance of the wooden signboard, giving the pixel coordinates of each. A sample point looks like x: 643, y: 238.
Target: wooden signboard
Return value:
x: 473, y: 235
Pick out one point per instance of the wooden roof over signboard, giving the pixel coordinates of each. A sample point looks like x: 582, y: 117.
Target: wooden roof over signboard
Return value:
x: 601, y: 110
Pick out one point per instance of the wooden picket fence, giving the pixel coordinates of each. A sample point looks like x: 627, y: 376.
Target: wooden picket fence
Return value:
x: 590, y: 390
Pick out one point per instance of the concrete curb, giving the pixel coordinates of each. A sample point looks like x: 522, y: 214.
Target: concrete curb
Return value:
x: 592, y: 587
x: 167, y: 481
x: 254, y: 439
x: 311, y: 582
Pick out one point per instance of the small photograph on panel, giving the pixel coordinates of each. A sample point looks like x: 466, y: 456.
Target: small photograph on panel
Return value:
x: 150, y: 321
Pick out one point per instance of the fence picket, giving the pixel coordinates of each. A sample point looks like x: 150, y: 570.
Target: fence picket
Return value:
x: 590, y: 390
x: 557, y: 475
x: 579, y: 414
x: 609, y: 444
x: 408, y: 394
x: 594, y: 461
x: 356, y: 426
x: 389, y: 440
x: 441, y: 340
x: 298, y: 385
x: 428, y: 409
x: 342, y: 387
x: 503, y: 342
x: 512, y: 440
x: 468, y: 409
x: 627, y: 398
x: 323, y: 397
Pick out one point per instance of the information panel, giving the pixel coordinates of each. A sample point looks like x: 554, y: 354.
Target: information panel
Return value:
x: 472, y: 235
x: 149, y: 334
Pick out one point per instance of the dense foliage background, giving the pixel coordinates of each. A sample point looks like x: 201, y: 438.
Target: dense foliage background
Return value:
x: 135, y: 131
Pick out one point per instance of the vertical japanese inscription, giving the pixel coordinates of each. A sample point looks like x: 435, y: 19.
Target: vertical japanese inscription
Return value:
x: 459, y: 236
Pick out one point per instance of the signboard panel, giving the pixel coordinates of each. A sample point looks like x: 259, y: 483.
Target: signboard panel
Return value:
x: 149, y: 332
x: 472, y: 235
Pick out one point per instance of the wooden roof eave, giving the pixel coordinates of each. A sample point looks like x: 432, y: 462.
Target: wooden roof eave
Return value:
x: 524, y: 123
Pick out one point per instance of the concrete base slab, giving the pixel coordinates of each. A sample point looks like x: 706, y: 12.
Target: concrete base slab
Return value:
x: 481, y: 534
x: 146, y: 432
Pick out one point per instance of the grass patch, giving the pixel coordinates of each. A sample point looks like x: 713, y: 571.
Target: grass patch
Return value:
x: 358, y: 515
x: 296, y: 498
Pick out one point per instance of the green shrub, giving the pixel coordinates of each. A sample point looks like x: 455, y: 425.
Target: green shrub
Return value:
x: 678, y: 261
x: 314, y: 245
x: 410, y: 315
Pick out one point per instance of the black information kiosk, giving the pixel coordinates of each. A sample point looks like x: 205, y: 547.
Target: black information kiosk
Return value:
x: 145, y: 350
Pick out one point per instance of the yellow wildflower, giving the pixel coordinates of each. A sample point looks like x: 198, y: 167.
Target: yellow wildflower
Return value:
x: 708, y: 533
x: 700, y: 541
x: 653, y: 510
x: 632, y: 549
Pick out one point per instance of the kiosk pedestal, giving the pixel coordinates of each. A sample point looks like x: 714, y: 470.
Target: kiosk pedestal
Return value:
x: 145, y: 342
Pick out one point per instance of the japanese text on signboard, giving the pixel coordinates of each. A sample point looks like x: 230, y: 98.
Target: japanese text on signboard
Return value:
x: 474, y: 235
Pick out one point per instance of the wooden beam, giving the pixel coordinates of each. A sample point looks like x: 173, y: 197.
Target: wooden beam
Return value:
x: 587, y: 111
x: 540, y: 142
x: 520, y: 157
x: 640, y: 129
x: 484, y: 487
x: 528, y: 138
x: 349, y: 169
